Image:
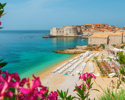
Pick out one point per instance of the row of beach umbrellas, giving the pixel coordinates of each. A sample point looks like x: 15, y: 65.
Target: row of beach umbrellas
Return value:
x: 60, y: 67
x: 91, y: 67
x: 110, y: 64
x: 90, y: 56
x: 66, y: 67
x: 82, y: 68
x: 117, y: 64
x: 69, y: 63
x: 75, y: 65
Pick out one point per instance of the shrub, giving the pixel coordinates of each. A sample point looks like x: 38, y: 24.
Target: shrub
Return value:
x: 109, y: 58
x: 103, y: 46
x: 2, y: 11
x: 121, y: 57
x: 109, y: 95
x: 114, y: 45
x: 88, y: 45
x: 117, y: 60
x: 122, y: 47
x: 97, y: 63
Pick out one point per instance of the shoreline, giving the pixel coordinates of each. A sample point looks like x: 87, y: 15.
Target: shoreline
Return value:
x: 38, y: 70
x: 47, y: 71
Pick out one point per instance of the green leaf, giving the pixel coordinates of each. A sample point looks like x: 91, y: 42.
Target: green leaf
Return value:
x: 67, y: 92
x: 6, y: 98
x: 1, y: 60
x: 2, y: 5
x: 48, y: 88
x: 78, y: 90
x: 79, y: 95
x: 96, y: 90
x: 1, y: 27
x: 3, y: 64
x: 12, y: 90
x: 91, y: 85
x: 59, y: 92
x: 13, y: 98
x: 46, y: 93
x: 69, y: 97
x: 86, y: 96
x: 62, y: 94
x: 1, y: 12
x: 39, y: 98
x: 89, y: 80
x: 73, y: 97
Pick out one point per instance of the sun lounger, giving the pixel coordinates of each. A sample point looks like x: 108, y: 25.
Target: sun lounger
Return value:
x: 91, y: 67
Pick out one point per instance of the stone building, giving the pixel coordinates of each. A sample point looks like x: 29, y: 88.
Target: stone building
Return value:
x: 106, y: 38
x: 98, y: 38
x: 88, y: 26
x: 123, y: 37
x: 85, y: 30
x: 64, y: 31
x: 115, y: 39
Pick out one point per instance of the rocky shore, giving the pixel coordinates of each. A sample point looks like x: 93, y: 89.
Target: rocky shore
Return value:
x: 70, y: 51
x: 79, y: 49
x: 85, y: 37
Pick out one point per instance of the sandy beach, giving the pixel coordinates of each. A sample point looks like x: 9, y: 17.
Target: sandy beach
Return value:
x: 61, y: 82
x: 47, y: 72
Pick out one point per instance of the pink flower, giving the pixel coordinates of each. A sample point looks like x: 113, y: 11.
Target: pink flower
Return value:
x: 0, y: 23
x: 53, y: 96
x: 36, y: 82
x: 86, y: 76
x: 4, y: 86
x: 32, y: 91
x: 79, y: 87
x: 1, y: 15
x: 15, y: 84
x: 43, y: 90
x: 87, y: 85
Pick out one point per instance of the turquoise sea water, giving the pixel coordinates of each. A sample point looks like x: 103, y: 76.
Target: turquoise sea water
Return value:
x: 27, y: 52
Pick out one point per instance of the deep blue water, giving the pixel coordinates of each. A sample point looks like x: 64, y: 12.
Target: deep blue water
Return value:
x: 27, y: 52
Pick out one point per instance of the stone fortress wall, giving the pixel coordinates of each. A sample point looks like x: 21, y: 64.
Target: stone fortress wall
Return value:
x: 108, y: 38
x: 64, y: 31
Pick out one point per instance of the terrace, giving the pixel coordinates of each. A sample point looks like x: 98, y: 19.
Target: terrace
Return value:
x: 107, y: 67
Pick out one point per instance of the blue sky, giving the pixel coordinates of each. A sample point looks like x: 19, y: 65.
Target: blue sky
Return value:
x: 46, y: 14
